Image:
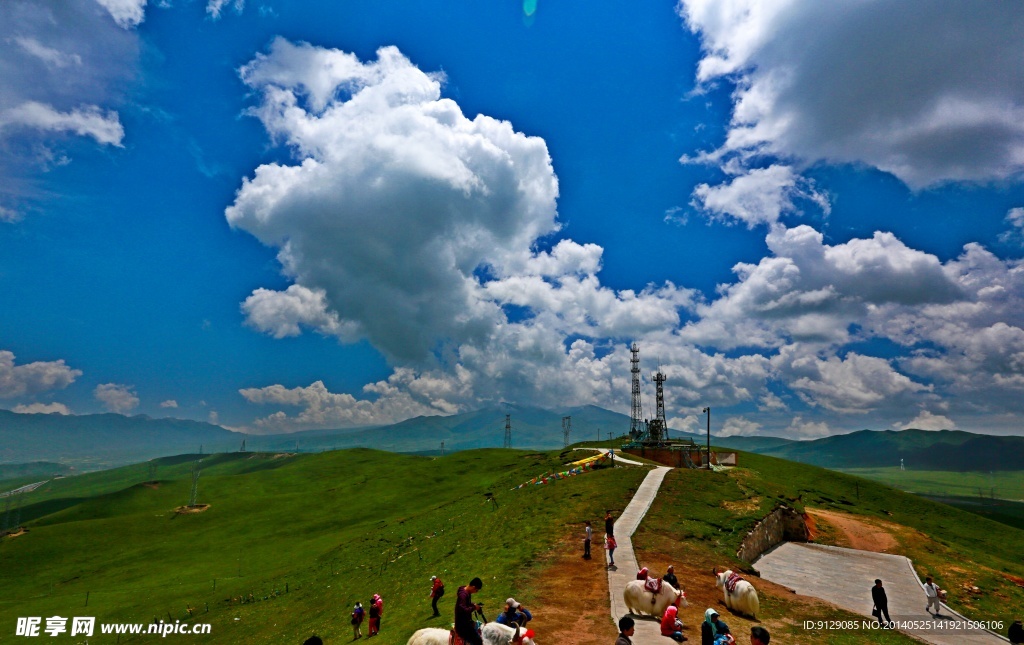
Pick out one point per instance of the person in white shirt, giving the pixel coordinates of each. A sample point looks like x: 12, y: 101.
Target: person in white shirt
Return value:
x: 931, y: 592
x: 586, y: 541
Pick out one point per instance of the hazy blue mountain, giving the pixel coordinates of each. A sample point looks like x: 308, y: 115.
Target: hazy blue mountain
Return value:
x: 920, y: 449
x: 101, y: 440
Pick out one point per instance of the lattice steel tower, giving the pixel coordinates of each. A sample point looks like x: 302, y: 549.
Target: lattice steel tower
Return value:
x: 508, y: 431
x: 658, y: 428
x: 566, y: 429
x: 636, y: 424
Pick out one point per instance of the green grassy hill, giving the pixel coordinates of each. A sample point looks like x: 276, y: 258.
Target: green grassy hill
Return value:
x: 949, y: 450
x: 290, y: 542
x: 303, y: 536
x: 701, y: 517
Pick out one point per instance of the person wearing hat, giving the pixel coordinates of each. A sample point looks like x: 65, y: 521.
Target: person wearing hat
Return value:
x: 627, y: 627
x: 671, y: 626
x: 514, y: 613
x: 670, y: 577
x: 436, y: 591
x: 357, y: 620
x: 711, y: 628
x: 376, y: 611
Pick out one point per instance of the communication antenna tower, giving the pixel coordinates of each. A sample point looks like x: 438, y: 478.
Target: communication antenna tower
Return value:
x: 195, y: 481
x: 657, y: 428
x: 243, y: 446
x: 566, y: 429
x: 636, y: 428
x: 442, y: 449
x: 508, y: 431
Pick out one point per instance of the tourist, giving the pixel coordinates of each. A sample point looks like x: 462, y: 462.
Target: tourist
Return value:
x: 1016, y: 633
x: 589, y: 534
x: 376, y: 612
x: 514, y: 614
x: 931, y: 592
x: 465, y: 626
x: 436, y: 591
x: 670, y: 577
x: 609, y: 543
x: 357, y: 620
x: 671, y: 626
x: 609, y: 524
x: 881, y: 603
x: 627, y: 627
x: 712, y: 628
x: 759, y: 636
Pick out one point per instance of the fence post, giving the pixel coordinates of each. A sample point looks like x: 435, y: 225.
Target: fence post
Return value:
x: 86, y: 598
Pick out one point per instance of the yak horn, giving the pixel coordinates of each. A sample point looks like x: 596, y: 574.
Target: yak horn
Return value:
x: 714, y: 571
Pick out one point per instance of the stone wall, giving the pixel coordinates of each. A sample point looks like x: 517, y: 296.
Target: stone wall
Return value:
x: 781, y: 525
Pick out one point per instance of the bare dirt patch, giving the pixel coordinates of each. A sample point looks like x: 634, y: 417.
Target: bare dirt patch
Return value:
x: 153, y: 485
x: 191, y: 510
x: 573, y: 595
x: 859, y: 533
x: 17, y: 532
x: 743, y: 506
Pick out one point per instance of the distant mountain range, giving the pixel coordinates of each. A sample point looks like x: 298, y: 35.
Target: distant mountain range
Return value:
x: 919, y: 449
x: 103, y: 440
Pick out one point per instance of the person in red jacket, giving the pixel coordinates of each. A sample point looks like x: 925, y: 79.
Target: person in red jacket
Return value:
x: 436, y: 591
x: 671, y: 626
x: 376, y: 612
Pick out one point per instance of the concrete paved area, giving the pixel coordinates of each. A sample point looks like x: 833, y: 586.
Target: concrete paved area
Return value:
x: 844, y: 577
x: 648, y: 631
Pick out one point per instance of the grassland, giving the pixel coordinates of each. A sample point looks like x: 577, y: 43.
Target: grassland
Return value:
x: 303, y: 537
x: 700, y: 518
x: 1006, y: 484
x: 290, y: 542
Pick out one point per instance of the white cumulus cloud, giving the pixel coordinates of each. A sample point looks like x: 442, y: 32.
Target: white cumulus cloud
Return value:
x: 169, y: 403
x: 927, y: 420
x: 889, y: 84
x: 126, y: 13
x: 42, y: 408
x: 33, y: 378
x: 396, y: 198
x: 116, y: 397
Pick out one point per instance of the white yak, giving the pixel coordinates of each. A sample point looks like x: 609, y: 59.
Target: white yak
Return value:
x: 492, y: 634
x: 640, y: 601
x: 742, y: 599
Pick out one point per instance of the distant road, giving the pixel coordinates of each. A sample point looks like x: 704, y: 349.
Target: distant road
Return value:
x: 24, y: 489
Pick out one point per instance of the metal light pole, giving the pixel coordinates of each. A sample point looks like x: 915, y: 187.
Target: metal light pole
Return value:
x: 707, y: 411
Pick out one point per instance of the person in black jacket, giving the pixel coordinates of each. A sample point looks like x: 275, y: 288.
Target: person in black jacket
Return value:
x: 670, y: 577
x: 1016, y: 633
x: 465, y: 626
x: 881, y: 603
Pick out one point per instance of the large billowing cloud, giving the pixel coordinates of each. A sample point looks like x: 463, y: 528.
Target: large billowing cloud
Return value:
x: 812, y: 292
x: 395, y: 202
x: 35, y: 378
x: 404, y: 222
x: 929, y: 91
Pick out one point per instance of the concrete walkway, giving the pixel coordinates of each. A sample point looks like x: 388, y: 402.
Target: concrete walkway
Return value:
x: 616, y: 458
x: 844, y: 577
x: 648, y: 631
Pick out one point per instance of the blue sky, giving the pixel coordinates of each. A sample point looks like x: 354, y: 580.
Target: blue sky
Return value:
x: 291, y: 215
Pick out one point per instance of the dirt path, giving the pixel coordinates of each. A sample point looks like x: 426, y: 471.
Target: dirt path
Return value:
x: 574, y: 595
x: 858, y: 533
